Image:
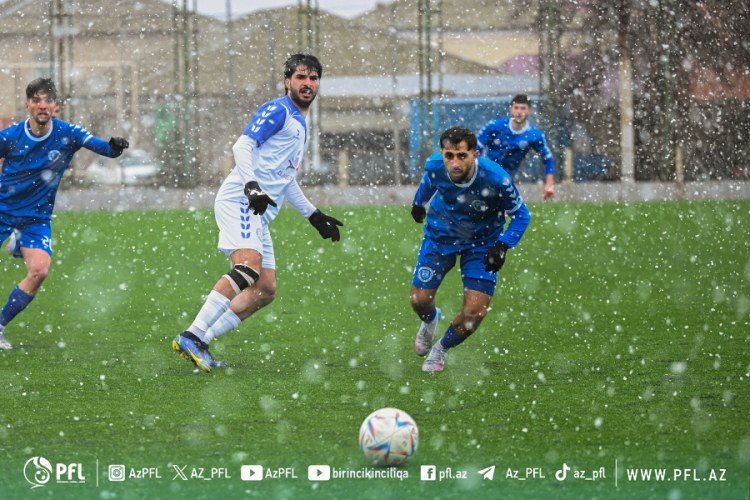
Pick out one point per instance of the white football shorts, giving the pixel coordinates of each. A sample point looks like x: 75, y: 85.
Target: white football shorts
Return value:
x: 240, y: 229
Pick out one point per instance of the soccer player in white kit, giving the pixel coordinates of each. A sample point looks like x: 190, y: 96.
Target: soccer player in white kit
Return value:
x: 267, y: 157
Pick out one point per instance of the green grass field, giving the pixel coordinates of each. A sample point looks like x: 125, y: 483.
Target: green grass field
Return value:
x: 618, y: 339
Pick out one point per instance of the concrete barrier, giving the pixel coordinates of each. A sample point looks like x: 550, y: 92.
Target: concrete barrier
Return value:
x: 139, y: 198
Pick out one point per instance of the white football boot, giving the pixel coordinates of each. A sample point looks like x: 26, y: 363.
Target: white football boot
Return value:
x: 10, y: 246
x: 4, y: 344
x: 436, y: 360
x: 426, y: 335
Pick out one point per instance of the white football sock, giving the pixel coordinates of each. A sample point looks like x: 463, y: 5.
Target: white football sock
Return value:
x: 216, y: 304
x: 228, y: 321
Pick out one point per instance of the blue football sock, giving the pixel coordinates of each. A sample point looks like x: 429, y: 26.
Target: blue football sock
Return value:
x: 17, y: 302
x: 451, y: 338
x: 429, y: 316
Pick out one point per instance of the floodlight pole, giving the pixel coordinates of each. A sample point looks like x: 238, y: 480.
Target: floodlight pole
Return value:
x: 308, y: 18
x: 549, y: 54
x: 393, y: 30
x: 185, y: 84
x: 230, y: 51
x: 426, y: 112
x: 627, y: 149
x: 61, y: 51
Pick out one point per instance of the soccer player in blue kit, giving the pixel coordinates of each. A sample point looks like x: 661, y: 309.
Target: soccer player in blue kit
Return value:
x: 507, y: 141
x: 267, y: 157
x: 36, y: 153
x: 469, y: 198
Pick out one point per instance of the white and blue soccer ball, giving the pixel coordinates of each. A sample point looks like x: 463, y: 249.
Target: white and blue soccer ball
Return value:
x: 388, y: 437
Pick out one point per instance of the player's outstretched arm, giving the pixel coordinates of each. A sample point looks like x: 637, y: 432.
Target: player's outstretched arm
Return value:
x: 112, y: 148
x: 326, y: 225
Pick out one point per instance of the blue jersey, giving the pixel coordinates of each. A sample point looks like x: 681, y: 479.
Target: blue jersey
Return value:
x: 463, y: 216
x: 34, y: 165
x: 508, y: 147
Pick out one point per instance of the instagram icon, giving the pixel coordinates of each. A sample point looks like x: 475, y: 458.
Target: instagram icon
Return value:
x: 116, y: 472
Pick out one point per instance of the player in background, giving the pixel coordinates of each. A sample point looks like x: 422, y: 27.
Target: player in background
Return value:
x: 469, y: 198
x: 267, y: 157
x: 36, y: 153
x: 506, y: 141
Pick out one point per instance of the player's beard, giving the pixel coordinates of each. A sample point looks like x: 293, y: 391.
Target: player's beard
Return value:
x: 295, y: 97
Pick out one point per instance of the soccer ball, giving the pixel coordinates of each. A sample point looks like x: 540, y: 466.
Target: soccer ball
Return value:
x: 388, y: 437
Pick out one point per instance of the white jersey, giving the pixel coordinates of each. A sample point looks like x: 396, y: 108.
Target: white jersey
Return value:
x: 270, y: 151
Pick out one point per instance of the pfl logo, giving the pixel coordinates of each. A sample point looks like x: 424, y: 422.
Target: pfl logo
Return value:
x: 38, y: 472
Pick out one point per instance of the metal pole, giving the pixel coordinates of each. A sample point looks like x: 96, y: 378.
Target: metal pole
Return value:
x: 193, y: 118
x: 186, y: 95
x: 230, y: 51
x: 271, y: 39
x: 175, y: 49
x: 428, y: 65
x: 394, y: 100
x: 52, y: 56
x: 666, y: 34
x: 440, y: 35
x: 421, y: 58
x: 627, y: 148
x: 315, y: 111
x: 135, y: 104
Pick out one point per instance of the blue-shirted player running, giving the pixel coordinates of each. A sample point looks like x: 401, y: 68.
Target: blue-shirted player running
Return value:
x: 267, y: 157
x: 470, y: 199
x: 506, y: 141
x: 36, y: 154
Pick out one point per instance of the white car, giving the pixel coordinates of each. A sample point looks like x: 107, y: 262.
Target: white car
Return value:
x: 132, y: 167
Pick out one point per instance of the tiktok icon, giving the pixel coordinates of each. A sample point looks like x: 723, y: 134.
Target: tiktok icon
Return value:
x: 562, y: 473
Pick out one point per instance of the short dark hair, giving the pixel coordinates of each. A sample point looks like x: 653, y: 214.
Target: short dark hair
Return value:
x: 454, y: 135
x: 521, y: 99
x: 296, y: 60
x: 43, y: 85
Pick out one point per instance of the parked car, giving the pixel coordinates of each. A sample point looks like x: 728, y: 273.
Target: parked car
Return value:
x: 132, y: 167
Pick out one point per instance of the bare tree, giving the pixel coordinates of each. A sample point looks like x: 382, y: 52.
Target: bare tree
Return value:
x: 673, y: 47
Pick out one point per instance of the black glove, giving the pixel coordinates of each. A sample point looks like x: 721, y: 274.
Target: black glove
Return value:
x: 495, y: 257
x: 118, y: 144
x: 257, y: 199
x: 326, y: 225
x: 418, y: 213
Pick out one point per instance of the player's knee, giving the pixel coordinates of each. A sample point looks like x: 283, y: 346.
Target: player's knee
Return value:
x: 38, y: 271
x: 241, y: 277
x: 420, y: 302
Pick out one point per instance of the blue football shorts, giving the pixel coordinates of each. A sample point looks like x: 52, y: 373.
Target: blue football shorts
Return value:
x: 432, y: 266
x: 35, y: 233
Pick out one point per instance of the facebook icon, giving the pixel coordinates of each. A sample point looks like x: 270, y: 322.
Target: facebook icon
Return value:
x: 427, y: 472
